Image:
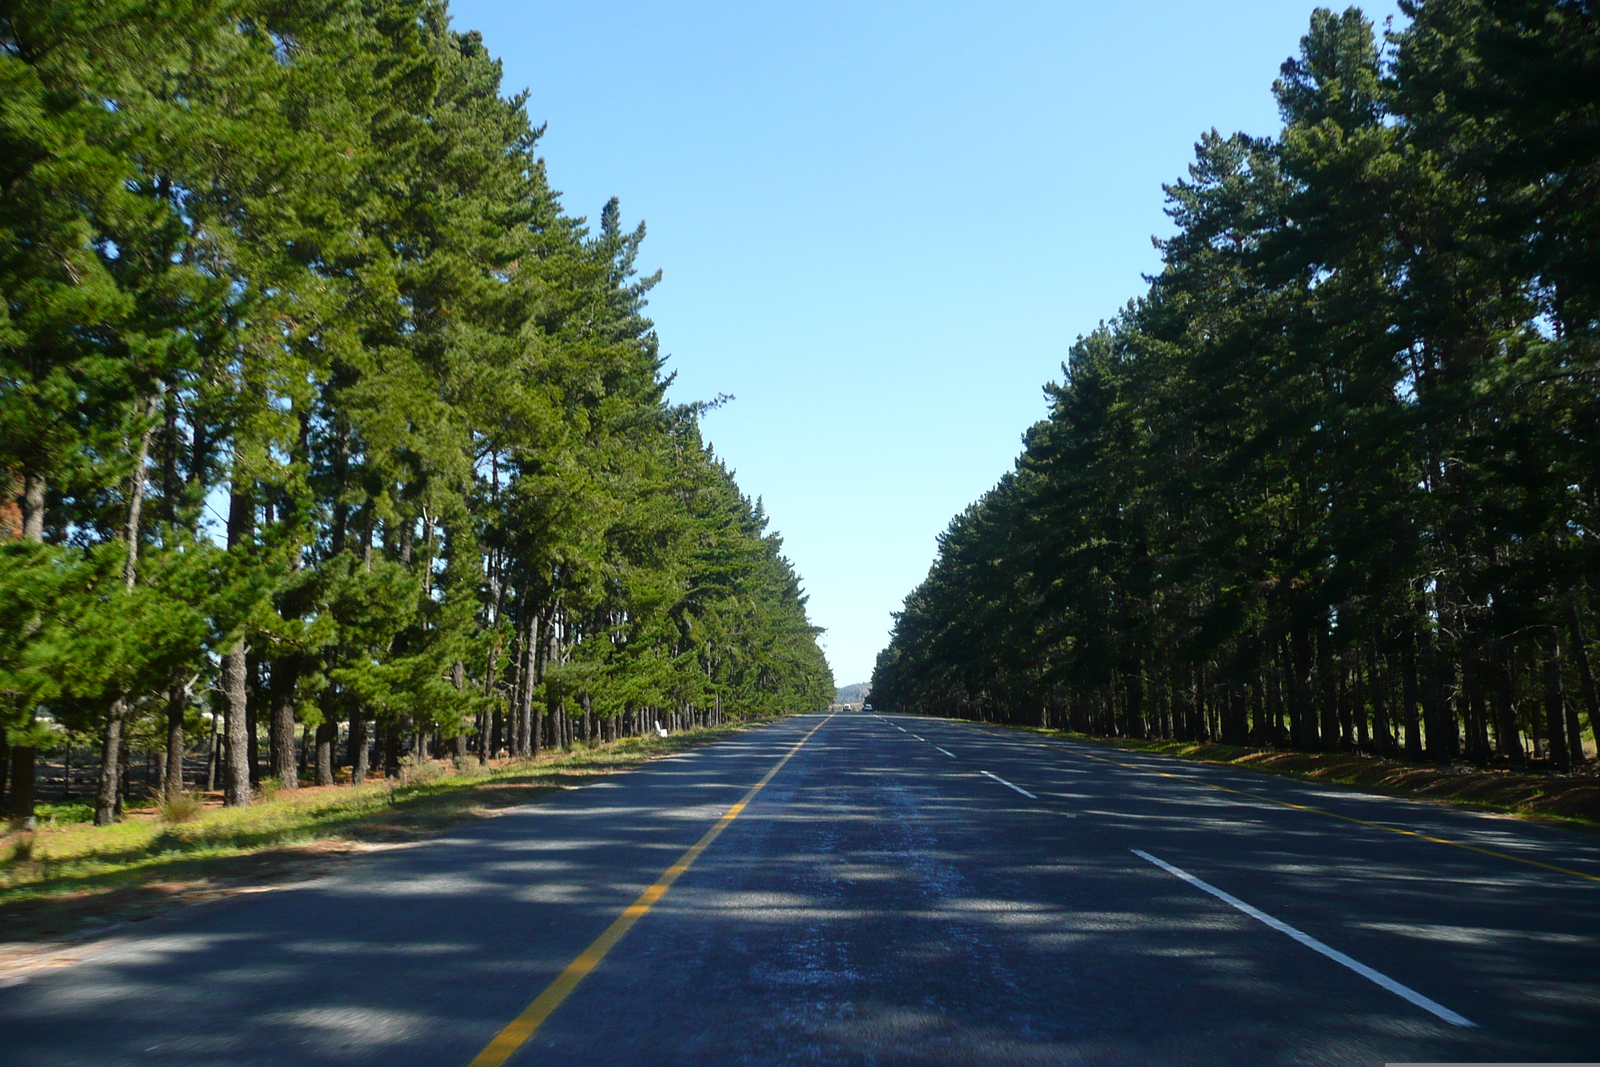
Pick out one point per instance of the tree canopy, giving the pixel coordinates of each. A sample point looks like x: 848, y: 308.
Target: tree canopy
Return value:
x: 1331, y: 481
x: 319, y: 410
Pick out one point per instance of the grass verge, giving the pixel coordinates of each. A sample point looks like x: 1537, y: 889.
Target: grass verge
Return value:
x: 68, y: 877
x: 1570, y: 799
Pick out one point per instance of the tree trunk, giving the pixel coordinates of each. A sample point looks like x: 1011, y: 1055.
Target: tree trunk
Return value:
x: 1382, y: 727
x: 33, y: 508
x: 1555, y: 718
x: 235, y: 723
x: 1506, y: 734
x: 108, y: 802
x: 1358, y: 707
x: 327, y: 738
x: 1347, y: 719
x: 391, y: 749
x: 1472, y: 694
x: 1580, y: 657
x: 489, y: 714
x: 1409, y: 697
x: 1574, y: 733
x: 235, y: 697
x: 285, y: 756
x: 105, y: 805
x: 22, y: 782
x: 1302, y: 718
x: 527, y: 729
x: 125, y: 781
x: 213, y: 756
x: 252, y: 714
x: 358, y: 746
x: 1327, y: 691
x: 177, y: 704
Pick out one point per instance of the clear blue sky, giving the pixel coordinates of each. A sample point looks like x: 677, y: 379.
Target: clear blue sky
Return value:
x: 881, y: 226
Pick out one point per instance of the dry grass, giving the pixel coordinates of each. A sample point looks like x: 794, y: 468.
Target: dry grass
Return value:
x: 185, y: 807
x: 68, y: 874
x: 1572, y: 798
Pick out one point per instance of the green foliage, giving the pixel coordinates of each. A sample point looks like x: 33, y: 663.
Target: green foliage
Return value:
x: 63, y: 814
x: 1331, y: 482
x: 306, y: 259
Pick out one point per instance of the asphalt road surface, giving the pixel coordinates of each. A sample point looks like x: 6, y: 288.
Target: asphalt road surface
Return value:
x: 901, y: 891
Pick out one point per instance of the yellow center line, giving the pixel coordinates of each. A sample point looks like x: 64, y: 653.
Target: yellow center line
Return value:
x: 520, y: 1029
x: 1346, y: 818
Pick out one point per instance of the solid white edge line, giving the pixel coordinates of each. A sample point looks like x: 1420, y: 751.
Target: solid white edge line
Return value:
x: 946, y: 751
x: 1008, y: 785
x: 1312, y: 943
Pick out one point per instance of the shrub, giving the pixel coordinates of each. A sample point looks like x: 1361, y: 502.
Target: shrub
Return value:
x: 414, y: 771
x: 63, y: 814
x: 21, y: 849
x: 180, y: 808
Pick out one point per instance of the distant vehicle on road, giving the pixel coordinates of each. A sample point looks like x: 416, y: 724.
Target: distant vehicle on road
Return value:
x: 866, y: 707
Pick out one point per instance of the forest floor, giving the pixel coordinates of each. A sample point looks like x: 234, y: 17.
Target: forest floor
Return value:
x: 64, y: 883
x: 1571, y: 799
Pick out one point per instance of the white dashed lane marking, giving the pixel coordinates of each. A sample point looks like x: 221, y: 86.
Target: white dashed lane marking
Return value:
x: 1312, y: 943
x: 1008, y: 785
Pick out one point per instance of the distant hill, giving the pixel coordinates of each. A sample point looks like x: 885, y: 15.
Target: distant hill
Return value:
x: 852, y: 693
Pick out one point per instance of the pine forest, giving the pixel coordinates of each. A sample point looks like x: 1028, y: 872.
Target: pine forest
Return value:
x: 331, y: 438
x: 1331, y: 482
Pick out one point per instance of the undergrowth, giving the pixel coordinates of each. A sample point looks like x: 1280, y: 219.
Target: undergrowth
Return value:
x: 69, y: 856
x: 1571, y: 798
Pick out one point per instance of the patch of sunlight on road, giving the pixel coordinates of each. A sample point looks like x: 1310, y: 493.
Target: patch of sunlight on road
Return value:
x: 1065, y: 869
x: 1314, y: 870
x: 566, y: 844
x: 802, y: 976
x: 338, y: 1028
x: 765, y: 906
x: 534, y: 866
x: 1563, y: 995
x: 1514, y: 878
x: 1160, y: 817
x: 237, y: 980
x: 860, y: 872
x: 148, y: 951
x: 1001, y: 912
x: 432, y: 885
x: 557, y: 893
x: 1056, y: 941
x: 1474, y: 935
x: 387, y: 948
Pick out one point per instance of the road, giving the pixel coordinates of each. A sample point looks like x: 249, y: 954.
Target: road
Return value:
x: 901, y: 891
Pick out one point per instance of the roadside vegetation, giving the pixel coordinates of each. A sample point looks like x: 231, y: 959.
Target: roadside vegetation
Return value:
x: 64, y: 874
x: 1332, y: 484
x: 1572, y: 799
x: 329, y: 438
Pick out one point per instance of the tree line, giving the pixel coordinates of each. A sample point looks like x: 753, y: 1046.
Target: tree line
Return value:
x: 1331, y: 482
x: 328, y: 430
